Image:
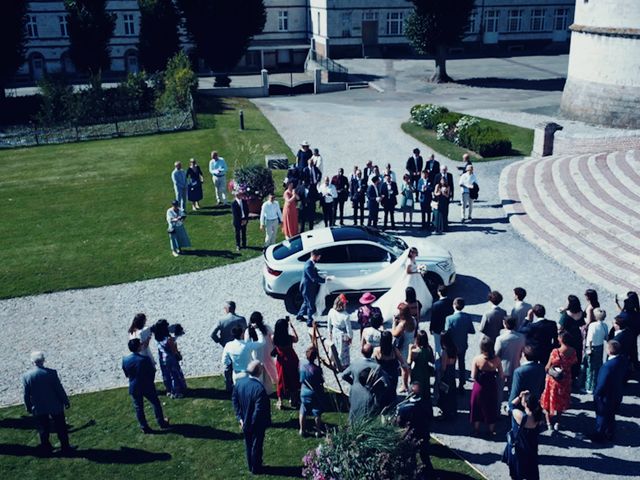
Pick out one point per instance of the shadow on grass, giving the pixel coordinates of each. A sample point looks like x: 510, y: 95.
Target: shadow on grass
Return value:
x: 203, y: 431
x: 210, y: 393
x: 124, y: 455
x: 282, y: 471
x: 210, y: 253
x: 543, y: 85
x: 23, y: 423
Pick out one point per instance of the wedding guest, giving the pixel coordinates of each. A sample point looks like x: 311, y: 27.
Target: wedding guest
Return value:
x: 218, y: 171
x: 179, y: 179
x: 421, y: 360
x: 222, y: 334
x: 391, y: 361
x: 195, y: 180
x: 178, y: 238
x: 238, y: 353
x: 328, y: 196
x: 460, y: 326
x: 270, y: 217
x: 262, y: 335
x: 373, y: 198
x: 571, y: 321
x: 371, y: 335
x: 303, y: 155
x: 176, y: 330
x: 556, y: 397
x: 253, y: 411
x: 140, y: 371
x: 448, y: 177
x: 240, y: 213
x: 389, y: 194
x: 467, y: 181
x: 487, y: 375
x: 412, y: 302
x: 139, y: 330
x: 541, y: 333
x: 342, y: 188
x: 492, y: 321
x: 317, y: 160
x: 630, y: 313
x: 366, y: 312
x: 168, y: 355
x: 440, y: 207
x: 46, y: 400
x: 286, y: 362
x: 407, y: 193
x: 440, y: 310
x: 390, y: 172
x: 309, y: 287
x: 529, y: 376
x: 446, y: 385
x: 311, y: 391
x: 521, y: 452
x: 415, y: 415
x: 357, y: 193
x: 509, y: 347
x: 425, y: 197
x: 306, y: 197
x: 597, y: 333
x: 414, y: 166
x: 290, y: 212
x: 339, y: 329
x: 520, y: 307
x: 404, y: 329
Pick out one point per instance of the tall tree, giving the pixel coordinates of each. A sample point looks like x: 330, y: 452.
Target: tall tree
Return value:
x: 90, y: 30
x: 159, y: 38
x: 222, y: 31
x: 12, y: 39
x: 435, y: 25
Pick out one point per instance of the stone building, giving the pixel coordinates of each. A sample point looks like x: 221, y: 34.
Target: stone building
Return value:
x: 603, y: 81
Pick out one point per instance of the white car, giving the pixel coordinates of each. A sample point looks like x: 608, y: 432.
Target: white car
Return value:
x: 346, y: 252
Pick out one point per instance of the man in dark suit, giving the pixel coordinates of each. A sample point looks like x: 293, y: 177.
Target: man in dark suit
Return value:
x: 373, y: 199
x: 425, y: 197
x: 306, y: 207
x: 624, y: 336
x: 240, y: 211
x: 541, y: 333
x: 341, y: 182
x: 367, y: 171
x: 311, y: 176
x: 414, y: 167
x: 389, y: 196
x: 309, y: 286
x: 433, y: 168
x: 253, y: 411
x: 528, y: 376
x: 607, y: 395
x: 440, y: 310
x: 448, y: 177
x: 140, y: 371
x: 358, y: 193
x: 46, y: 400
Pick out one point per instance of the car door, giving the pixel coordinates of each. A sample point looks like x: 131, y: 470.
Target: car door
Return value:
x: 368, y: 258
x: 335, y: 260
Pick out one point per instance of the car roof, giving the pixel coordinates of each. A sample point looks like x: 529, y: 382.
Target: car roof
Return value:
x: 324, y: 236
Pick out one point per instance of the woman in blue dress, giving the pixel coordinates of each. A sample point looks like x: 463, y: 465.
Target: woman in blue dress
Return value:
x: 521, y: 452
x: 169, y: 357
x: 194, y: 184
x: 178, y: 237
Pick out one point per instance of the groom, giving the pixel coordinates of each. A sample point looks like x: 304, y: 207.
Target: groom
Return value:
x: 309, y: 286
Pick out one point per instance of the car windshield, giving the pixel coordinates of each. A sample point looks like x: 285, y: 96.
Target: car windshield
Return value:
x: 287, y: 248
x: 395, y: 244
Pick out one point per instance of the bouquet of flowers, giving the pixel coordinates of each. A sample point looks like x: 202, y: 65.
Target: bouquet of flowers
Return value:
x: 422, y: 269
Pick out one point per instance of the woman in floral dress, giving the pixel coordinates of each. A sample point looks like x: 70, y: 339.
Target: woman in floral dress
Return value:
x: 556, y: 397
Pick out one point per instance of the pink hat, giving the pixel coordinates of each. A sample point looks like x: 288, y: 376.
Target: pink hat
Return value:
x: 367, y: 298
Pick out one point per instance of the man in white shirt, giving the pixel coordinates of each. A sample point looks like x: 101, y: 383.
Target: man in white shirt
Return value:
x: 218, y: 170
x: 467, y: 179
x: 238, y: 353
x: 270, y: 217
x: 520, y: 307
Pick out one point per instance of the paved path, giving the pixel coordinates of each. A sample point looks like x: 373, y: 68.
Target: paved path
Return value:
x: 581, y: 210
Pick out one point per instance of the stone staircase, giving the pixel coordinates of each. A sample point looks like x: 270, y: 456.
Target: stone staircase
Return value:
x: 582, y: 210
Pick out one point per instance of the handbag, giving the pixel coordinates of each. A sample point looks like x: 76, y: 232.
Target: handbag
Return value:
x: 556, y: 372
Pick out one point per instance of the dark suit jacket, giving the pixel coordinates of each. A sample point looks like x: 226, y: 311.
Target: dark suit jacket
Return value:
x: 608, y: 391
x: 433, y: 167
x: 43, y: 392
x: 543, y: 336
x: 307, y: 177
x: 626, y: 338
x: 357, y: 189
x: 437, y: 178
x: 141, y: 373
x: 237, y: 213
x: 341, y: 183
x: 373, y: 204
x: 529, y: 376
x: 311, y: 280
x: 440, y: 310
x: 251, y: 404
x: 414, y: 165
x: 390, y: 199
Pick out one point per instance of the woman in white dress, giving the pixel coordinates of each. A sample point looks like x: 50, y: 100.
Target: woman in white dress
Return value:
x: 339, y: 327
x: 411, y: 277
x: 263, y: 335
x: 142, y: 333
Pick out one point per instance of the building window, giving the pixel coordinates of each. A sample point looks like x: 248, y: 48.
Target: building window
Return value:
x: 561, y: 19
x: 537, y: 19
x: 491, y: 21
x: 514, y: 23
x: 394, y: 23
x: 129, y: 25
x: 283, y: 20
x: 32, y: 26
x: 345, y: 20
x: 369, y: 16
x: 471, y: 28
x: 64, y: 27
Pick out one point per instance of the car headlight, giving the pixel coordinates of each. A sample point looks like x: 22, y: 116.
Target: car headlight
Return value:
x: 444, y: 265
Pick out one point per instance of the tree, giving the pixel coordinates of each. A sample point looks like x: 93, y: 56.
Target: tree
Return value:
x: 222, y: 31
x: 435, y: 25
x: 159, y: 38
x: 90, y: 30
x: 12, y: 39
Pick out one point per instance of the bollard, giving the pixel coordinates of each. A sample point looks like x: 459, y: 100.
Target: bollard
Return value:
x: 241, y: 120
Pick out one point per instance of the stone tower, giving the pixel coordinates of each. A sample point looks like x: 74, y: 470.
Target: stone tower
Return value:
x: 603, y: 81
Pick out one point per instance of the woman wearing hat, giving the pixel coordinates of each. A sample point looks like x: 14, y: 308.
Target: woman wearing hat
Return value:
x: 178, y: 237
x: 367, y: 312
x: 339, y: 327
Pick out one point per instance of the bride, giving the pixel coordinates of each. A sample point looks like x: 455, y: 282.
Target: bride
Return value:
x: 410, y: 277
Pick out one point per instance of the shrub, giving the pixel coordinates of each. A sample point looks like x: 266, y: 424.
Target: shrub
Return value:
x: 179, y: 83
x: 463, y: 126
x: 255, y: 180
x: 427, y: 115
x: 57, y: 100
x: 487, y: 141
x: 131, y: 97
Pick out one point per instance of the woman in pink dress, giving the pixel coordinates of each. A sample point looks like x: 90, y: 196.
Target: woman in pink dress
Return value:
x: 290, y: 212
x: 556, y: 397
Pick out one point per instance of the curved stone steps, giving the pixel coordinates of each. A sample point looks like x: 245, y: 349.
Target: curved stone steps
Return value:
x: 582, y: 210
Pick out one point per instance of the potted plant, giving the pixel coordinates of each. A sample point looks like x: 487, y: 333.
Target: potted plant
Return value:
x: 256, y: 182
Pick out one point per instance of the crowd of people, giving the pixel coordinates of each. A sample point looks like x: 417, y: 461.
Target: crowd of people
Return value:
x: 538, y: 361
x: 424, y: 187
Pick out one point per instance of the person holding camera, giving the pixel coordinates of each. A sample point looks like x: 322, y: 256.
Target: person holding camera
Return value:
x: 521, y: 452
x: 178, y: 238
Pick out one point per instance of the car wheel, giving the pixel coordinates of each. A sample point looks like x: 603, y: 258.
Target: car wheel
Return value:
x: 432, y: 280
x: 293, y: 300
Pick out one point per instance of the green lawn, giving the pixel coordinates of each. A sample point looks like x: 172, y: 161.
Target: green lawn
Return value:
x: 205, y: 441
x: 521, y: 140
x: 93, y: 213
